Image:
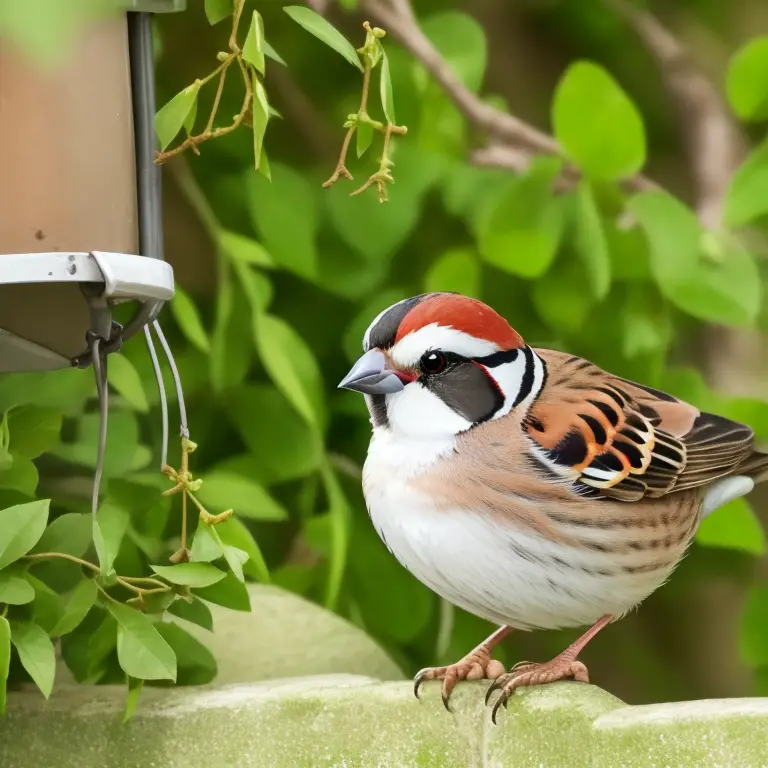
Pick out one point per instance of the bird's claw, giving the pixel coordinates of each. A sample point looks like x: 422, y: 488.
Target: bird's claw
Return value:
x: 527, y: 673
x: 475, y: 666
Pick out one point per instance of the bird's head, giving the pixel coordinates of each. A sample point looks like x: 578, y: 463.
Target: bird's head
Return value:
x: 440, y: 363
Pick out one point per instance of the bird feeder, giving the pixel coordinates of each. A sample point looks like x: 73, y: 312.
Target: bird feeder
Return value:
x: 80, y: 220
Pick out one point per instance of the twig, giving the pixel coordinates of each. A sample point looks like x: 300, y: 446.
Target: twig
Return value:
x: 129, y: 582
x: 519, y: 160
x: 383, y: 175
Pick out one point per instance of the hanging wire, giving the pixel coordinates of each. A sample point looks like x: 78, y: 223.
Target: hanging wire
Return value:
x: 102, y: 389
x: 184, y: 430
x: 161, y: 392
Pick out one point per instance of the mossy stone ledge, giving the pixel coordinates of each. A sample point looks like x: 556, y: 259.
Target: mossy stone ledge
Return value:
x: 297, y: 689
x: 348, y: 720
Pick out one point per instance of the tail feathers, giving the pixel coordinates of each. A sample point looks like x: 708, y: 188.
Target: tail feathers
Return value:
x: 754, y: 466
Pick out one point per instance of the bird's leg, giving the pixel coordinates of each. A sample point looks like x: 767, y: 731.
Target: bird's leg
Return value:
x: 476, y: 665
x: 562, y: 667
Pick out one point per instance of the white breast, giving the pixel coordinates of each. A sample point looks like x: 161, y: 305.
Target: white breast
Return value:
x: 497, y: 572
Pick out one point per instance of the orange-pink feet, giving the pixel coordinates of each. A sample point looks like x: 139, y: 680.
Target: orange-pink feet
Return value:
x: 526, y: 673
x: 476, y: 665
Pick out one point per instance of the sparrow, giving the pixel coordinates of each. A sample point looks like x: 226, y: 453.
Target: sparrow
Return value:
x: 528, y: 486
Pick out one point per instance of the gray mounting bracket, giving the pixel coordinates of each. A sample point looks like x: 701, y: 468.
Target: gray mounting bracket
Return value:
x: 124, y: 277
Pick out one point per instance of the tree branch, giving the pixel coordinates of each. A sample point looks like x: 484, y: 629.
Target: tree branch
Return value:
x: 713, y: 142
x: 513, y: 143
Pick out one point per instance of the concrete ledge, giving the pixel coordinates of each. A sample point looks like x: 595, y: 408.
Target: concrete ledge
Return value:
x: 347, y: 720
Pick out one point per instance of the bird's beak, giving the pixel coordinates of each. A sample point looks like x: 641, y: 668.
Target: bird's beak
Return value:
x: 371, y: 376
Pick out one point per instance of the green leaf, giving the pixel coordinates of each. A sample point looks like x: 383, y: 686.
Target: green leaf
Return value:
x: 458, y: 269
x: 257, y: 288
x: 5, y: 434
x: 47, y: 608
x: 70, y: 534
x: 244, y: 249
x: 747, y: 80
x: 172, y: 116
x: 187, y: 317
x: 123, y: 447
x: 236, y: 558
x: 747, y: 195
x: 6, y: 460
x: 253, y: 47
x: 229, y: 592
x: 190, y: 574
x: 273, y: 54
x: 292, y: 366
x: 340, y: 520
x: 284, y: 447
x: 14, y: 590
x: 206, y: 545
x: 227, y: 490
x: 141, y: 650
x: 195, y: 611
x: 196, y: 664
x: 285, y: 213
x: 521, y: 232
x: 590, y: 242
x: 22, y: 476
x: 324, y: 31
x: 597, y: 124
x: 65, y: 390
x: 562, y: 297
x: 33, y: 430
x: 725, y: 289
x: 127, y: 382
x: 189, y: 120
x: 385, y: 90
x: 21, y: 527
x: 5, y: 660
x: 263, y: 167
x: 260, y: 112
x: 460, y: 39
x: 132, y: 699
x: 36, y: 654
x: 646, y: 322
x: 753, y: 638
x: 364, y: 136
x: 236, y: 535
x: 109, y: 528
x: 76, y: 604
x: 216, y: 10
x: 734, y: 526
x: 231, y: 338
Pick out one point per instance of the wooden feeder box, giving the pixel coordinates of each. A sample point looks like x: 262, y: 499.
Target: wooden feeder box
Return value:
x: 80, y: 219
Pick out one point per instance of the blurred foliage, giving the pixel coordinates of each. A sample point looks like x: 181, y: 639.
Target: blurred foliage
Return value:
x: 629, y: 280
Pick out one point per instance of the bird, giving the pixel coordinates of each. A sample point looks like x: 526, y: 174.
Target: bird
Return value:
x: 528, y: 486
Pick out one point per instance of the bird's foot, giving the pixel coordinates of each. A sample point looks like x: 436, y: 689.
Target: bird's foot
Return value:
x: 526, y: 673
x: 476, y: 665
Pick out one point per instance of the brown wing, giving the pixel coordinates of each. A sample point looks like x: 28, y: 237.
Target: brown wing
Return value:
x: 627, y: 441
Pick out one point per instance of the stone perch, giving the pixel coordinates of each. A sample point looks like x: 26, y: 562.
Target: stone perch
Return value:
x: 340, y: 718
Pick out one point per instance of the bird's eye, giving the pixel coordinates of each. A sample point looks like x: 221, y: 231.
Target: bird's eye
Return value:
x: 432, y: 362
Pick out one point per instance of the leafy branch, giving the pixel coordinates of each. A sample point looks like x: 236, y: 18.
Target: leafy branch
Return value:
x: 186, y: 485
x: 181, y: 111
x: 128, y: 582
x: 372, y: 54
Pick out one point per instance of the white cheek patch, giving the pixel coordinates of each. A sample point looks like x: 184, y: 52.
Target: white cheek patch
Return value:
x: 410, y: 348
x: 419, y: 413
